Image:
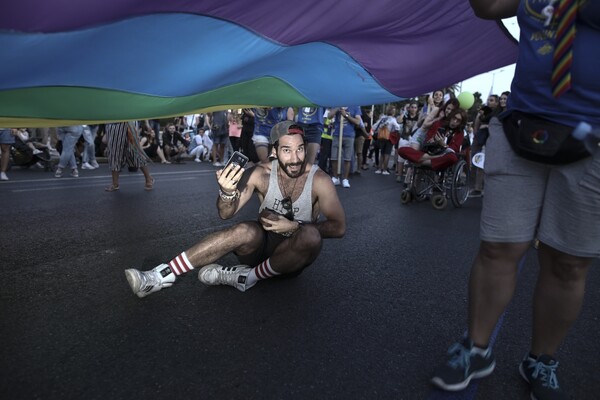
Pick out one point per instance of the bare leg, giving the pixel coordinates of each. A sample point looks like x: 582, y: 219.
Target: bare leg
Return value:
x: 149, y: 179
x: 385, y: 161
x: 298, y: 252
x: 5, y: 157
x: 491, y: 286
x: 263, y: 153
x: 244, y: 238
x: 161, y: 155
x: 346, y: 171
x: 334, y: 168
x: 311, y: 153
x: 558, y: 297
x: 221, y: 148
x: 115, y: 178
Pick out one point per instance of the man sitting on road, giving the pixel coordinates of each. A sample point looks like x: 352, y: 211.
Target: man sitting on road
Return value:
x: 288, y: 235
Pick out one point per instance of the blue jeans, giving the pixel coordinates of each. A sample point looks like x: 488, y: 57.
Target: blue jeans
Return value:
x: 69, y: 136
x: 89, y: 152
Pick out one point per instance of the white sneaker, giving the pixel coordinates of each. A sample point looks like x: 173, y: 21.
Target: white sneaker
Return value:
x: 3, y: 176
x: 75, y: 173
x: 346, y: 183
x: 198, y: 160
x: 58, y: 173
x: 94, y: 164
x: 215, y: 274
x: 37, y: 151
x: 87, y: 166
x: 385, y: 173
x: 217, y: 164
x: 145, y: 282
x: 336, y: 181
x: 378, y: 172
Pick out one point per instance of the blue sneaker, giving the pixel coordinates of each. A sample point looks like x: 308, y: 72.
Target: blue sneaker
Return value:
x: 466, y: 362
x: 541, y: 376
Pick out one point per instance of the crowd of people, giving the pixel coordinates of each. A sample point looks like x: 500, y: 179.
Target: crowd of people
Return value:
x: 540, y: 184
x: 369, y: 138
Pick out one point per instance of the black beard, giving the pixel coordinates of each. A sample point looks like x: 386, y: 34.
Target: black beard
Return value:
x: 284, y: 168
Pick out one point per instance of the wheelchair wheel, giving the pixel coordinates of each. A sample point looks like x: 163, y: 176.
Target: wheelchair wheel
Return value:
x: 459, y: 189
x: 406, y: 196
x: 439, y: 201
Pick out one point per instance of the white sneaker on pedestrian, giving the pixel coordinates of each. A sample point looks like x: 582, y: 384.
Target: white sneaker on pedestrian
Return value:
x: 385, y: 173
x: 378, y: 172
x: 87, y: 166
x: 58, y: 173
x: 346, y: 183
x: 75, y: 173
x: 336, y: 181
x: 145, y: 282
x: 217, y: 164
x: 3, y: 176
x: 94, y: 164
x: 198, y: 160
x: 215, y: 274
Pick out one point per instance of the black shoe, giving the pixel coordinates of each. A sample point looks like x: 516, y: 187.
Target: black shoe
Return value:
x: 542, y: 379
x: 466, y: 362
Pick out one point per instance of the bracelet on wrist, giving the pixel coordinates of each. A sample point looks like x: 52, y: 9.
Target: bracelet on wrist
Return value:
x: 290, y: 233
x: 229, y: 197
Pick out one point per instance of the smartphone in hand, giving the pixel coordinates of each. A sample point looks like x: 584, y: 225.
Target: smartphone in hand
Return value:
x: 237, y: 158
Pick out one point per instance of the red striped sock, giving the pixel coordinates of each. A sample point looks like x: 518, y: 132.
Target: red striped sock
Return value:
x: 180, y: 264
x: 264, y: 270
x: 261, y: 271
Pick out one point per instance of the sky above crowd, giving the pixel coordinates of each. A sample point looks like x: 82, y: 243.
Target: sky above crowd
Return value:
x: 498, y: 80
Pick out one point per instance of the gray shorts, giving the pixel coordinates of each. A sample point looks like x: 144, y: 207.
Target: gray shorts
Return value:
x: 347, y: 148
x: 558, y: 204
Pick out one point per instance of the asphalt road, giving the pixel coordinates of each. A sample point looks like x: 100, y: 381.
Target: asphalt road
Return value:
x: 370, y: 319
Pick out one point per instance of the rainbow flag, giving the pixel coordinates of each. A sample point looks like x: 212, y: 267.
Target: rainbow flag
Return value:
x: 65, y: 62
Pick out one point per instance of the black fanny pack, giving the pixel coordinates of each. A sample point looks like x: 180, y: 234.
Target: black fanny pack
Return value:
x: 540, y: 140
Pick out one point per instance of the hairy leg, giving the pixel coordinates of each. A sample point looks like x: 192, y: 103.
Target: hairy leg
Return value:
x: 491, y: 286
x: 558, y: 297
x: 298, y: 252
x: 244, y: 238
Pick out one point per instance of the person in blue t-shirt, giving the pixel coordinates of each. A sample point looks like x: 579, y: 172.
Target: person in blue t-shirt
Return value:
x: 348, y: 118
x: 312, y: 120
x: 264, y: 119
x: 540, y: 183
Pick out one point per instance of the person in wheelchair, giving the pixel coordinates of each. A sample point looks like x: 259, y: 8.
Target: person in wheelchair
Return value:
x: 441, y: 145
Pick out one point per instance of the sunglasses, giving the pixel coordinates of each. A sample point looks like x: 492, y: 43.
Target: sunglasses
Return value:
x: 289, y: 209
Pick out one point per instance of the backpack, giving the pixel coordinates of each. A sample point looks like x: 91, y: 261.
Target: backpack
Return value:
x: 383, y: 131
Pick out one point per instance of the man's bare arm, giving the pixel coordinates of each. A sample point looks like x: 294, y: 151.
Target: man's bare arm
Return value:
x: 334, y: 225
x: 227, y: 208
x: 495, y: 9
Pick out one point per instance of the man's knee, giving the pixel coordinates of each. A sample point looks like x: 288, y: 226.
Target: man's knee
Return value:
x: 497, y: 251
x: 309, y: 238
x: 567, y: 268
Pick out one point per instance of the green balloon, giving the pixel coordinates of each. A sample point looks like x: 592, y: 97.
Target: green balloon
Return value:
x: 466, y: 100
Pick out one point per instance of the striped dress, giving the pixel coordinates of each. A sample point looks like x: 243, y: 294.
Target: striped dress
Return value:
x: 123, y: 146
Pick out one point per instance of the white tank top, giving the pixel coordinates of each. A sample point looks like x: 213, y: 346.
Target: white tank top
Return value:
x: 302, y: 206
